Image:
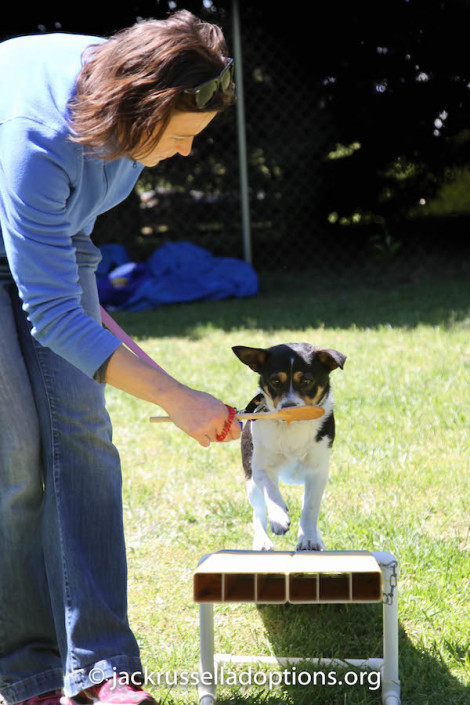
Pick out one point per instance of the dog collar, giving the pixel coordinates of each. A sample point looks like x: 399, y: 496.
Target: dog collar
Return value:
x: 255, y: 405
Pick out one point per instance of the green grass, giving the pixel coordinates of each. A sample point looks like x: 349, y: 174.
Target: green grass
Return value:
x: 399, y: 482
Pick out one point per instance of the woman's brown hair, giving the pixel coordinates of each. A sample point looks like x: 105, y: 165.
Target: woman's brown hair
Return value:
x: 133, y: 81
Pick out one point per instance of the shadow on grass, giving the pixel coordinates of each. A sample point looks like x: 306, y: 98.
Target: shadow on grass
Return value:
x: 345, y: 631
x: 308, y: 300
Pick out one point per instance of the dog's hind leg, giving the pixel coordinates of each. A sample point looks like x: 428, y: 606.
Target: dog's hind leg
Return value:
x: 278, y: 513
x: 309, y: 537
x: 261, y: 540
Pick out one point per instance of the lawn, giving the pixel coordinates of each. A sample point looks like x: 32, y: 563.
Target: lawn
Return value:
x: 399, y: 482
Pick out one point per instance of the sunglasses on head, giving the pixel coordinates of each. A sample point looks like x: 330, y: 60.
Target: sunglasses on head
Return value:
x: 204, y: 93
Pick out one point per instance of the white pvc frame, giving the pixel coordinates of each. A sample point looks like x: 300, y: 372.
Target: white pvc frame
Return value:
x: 388, y: 665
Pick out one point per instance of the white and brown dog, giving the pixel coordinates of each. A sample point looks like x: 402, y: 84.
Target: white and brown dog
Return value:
x: 297, y: 453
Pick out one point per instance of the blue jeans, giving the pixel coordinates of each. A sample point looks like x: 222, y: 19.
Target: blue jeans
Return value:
x: 63, y: 574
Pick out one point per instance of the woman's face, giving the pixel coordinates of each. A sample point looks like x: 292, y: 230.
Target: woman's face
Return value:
x: 177, y: 138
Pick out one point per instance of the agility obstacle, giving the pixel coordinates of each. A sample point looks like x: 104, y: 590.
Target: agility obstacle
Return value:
x: 280, y: 577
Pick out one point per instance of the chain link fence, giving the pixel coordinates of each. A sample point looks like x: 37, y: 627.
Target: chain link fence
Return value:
x: 198, y: 198
x: 351, y: 123
x: 291, y: 147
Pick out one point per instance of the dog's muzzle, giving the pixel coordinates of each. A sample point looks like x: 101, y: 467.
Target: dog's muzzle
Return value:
x: 290, y: 403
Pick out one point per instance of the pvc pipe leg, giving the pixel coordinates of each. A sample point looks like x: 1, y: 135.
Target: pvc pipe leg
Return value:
x: 207, y: 687
x: 390, y: 678
x: 209, y: 699
x: 389, y: 700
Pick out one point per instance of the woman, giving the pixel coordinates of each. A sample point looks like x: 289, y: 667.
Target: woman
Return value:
x: 80, y: 117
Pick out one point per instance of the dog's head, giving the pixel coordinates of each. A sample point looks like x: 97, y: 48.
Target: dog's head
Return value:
x: 296, y: 374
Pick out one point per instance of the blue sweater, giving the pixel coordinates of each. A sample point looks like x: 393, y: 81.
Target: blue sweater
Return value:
x: 51, y: 194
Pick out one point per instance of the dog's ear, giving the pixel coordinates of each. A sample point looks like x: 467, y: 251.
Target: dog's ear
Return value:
x: 331, y: 358
x: 253, y: 357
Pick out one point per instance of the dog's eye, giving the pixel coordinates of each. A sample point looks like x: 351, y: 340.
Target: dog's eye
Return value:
x: 275, y: 382
x: 306, y: 382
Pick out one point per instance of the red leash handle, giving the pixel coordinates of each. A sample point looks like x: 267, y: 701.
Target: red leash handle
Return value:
x: 231, y: 415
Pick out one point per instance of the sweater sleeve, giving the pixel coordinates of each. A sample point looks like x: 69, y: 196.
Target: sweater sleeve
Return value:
x: 36, y: 176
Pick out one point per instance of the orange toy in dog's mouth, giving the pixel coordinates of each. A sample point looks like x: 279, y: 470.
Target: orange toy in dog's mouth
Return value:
x: 292, y: 413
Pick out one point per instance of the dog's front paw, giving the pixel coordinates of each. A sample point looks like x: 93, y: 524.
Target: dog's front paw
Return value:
x: 280, y: 528
x: 279, y: 520
x: 309, y: 544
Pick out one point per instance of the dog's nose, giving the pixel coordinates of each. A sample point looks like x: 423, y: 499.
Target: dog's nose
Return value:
x: 288, y: 404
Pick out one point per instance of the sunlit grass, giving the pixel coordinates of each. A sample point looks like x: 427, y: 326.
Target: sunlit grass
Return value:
x: 399, y: 482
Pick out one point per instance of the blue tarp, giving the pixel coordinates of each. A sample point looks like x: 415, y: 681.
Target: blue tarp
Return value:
x: 174, y: 273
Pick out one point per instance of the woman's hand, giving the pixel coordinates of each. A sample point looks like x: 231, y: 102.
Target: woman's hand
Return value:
x: 201, y: 416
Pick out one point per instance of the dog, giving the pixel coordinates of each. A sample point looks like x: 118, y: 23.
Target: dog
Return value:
x: 295, y: 374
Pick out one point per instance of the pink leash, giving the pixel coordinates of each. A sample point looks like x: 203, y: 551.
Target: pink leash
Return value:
x: 113, y: 327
